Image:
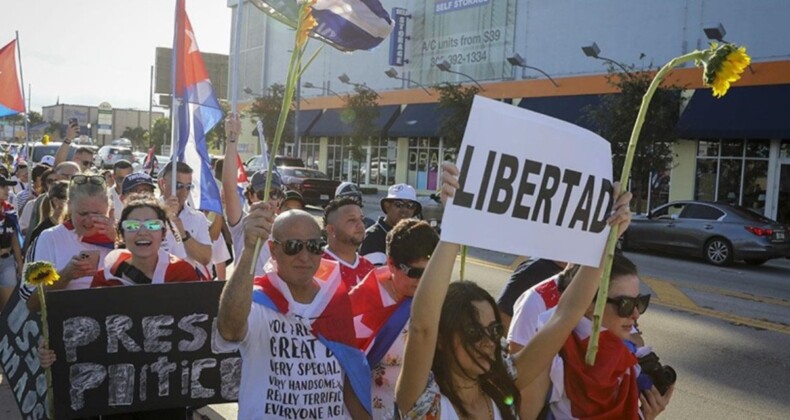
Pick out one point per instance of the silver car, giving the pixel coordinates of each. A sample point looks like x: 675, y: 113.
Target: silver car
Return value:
x: 718, y: 232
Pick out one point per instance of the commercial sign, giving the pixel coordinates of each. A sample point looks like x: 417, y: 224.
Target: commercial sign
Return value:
x: 443, y: 6
x: 105, y: 119
x: 398, y: 37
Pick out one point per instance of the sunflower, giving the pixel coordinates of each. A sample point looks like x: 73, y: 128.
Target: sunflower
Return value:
x: 723, y: 67
x: 306, y: 23
x: 41, y: 273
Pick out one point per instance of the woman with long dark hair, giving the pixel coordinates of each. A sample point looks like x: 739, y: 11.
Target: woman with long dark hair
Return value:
x: 454, y: 365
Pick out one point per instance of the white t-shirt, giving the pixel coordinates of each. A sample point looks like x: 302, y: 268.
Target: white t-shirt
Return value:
x: 219, y: 251
x: 117, y: 204
x: 197, y: 225
x: 526, y: 310
x: 237, y: 234
x: 286, y: 372
x: 58, y: 245
x: 27, y: 214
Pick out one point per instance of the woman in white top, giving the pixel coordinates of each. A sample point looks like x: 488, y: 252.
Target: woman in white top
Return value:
x: 454, y: 365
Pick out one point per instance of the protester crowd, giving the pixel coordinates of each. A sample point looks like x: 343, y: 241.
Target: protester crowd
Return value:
x: 389, y: 334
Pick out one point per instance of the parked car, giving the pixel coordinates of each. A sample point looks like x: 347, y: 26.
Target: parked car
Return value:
x: 108, y: 155
x: 123, y: 142
x: 718, y: 232
x: 39, y: 150
x: 315, y: 186
x: 256, y: 163
x: 432, y: 210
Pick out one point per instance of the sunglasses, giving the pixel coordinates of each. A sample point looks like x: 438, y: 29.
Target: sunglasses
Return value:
x: 84, y: 179
x: 476, y: 333
x: 182, y: 186
x: 411, y: 272
x: 274, y: 194
x: 625, y: 304
x: 136, y: 225
x: 294, y: 246
x: 411, y: 205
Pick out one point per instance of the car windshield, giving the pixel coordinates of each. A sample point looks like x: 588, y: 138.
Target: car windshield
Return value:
x: 304, y: 173
x: 750, y: 215
x: 41, y: 151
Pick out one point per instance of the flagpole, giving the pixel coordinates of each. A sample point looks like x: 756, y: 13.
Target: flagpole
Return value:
x: 22, y: 80
x: 174, y: 106
x: 234, y: 80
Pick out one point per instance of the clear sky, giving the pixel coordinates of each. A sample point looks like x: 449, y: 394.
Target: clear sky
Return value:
x: 90, y: 51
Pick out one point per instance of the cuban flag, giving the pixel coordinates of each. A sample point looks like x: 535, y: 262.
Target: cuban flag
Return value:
x: 332, y: 321
x: 347, y: 25
x: 150, y: 163
x: 11, y: 102
x: 195, y: 112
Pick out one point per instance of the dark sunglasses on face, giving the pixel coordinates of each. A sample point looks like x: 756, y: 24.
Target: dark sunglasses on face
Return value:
x: 625, y: 304
x: 475, y: 333
x: 411, y: 205
x: 82, y: 179
x: 182, y: 186
x: 294, y: 246
x: 411, y: 272
x: 136, y: 225
x: 274, y: 194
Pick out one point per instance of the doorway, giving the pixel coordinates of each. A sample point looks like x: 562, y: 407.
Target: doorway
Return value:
x: 783, y: 194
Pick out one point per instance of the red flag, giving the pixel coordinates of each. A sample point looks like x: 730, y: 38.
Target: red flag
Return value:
x: 241, y: 176
x: 11, y: 102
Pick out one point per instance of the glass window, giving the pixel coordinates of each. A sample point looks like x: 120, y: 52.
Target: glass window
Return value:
x: 729, y: 181
x: 757, y: 149
x: 700, y: 211
x: 380, y: 170
x: 668, y: 211
x: 737, y: 176
x: 708, y: 149
x: 732, y: 148
x: 424, y: 163
x: 309, y: 152
x: 706, y: 179
x: 784, y: 149
x: 755, y: 183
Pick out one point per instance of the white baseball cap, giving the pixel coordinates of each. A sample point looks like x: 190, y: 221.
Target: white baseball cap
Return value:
x: 48, y: 160
x: 401, y: 192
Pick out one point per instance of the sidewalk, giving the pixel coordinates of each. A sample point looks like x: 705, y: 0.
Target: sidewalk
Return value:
x: 8, y: 407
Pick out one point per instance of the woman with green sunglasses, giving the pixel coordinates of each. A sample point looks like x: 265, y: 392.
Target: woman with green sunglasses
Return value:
x: 141, y: 230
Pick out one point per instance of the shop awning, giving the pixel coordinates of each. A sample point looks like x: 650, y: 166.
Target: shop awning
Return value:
x: 757, y: 112
x: 572, y: 109
x: 338, y: 122
x: 418, y: 120
x: 307, y: 119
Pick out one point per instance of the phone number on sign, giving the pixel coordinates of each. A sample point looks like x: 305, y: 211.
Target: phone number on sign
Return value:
x: 461, y: 58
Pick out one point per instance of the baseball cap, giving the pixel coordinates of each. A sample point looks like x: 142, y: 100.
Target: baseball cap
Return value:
x: 294, y: 195
x: 401, y: 192
x: 6, y: 182
x: 133, y: 180
x: 349, y: 189
x: 258, y: 181
x: 48, y: 160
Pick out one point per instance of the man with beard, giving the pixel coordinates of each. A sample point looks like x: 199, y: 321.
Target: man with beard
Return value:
x: 400, y: 203
x: 345, y: 230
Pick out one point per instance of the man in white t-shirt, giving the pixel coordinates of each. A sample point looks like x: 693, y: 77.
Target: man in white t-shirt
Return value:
x: 193, y: 243
x: 120, y: 170
x: 292, y: 326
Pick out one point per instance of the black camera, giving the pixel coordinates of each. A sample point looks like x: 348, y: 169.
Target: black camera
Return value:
x: 655, y: 374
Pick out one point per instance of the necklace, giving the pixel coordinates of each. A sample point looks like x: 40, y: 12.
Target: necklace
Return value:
x: 488, y: 403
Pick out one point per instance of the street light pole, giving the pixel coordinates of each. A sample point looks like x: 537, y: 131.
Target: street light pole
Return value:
x: 296, y: 115
x: 444, y: 65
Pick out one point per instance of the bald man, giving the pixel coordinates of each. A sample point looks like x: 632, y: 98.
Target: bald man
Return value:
x: 293, y: 325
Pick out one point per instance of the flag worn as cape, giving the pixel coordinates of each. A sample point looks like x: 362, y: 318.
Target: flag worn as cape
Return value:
x: 333, y: 327
x: 11, y: 102
x: 195, y: 110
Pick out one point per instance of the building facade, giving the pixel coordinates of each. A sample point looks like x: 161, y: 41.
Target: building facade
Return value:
x: 734, y: 149
x: 88, y: 118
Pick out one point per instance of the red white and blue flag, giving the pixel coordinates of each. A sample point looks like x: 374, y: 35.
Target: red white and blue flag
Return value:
x: 150, y: 163
x: 195, y: 112
x: 11, y: 102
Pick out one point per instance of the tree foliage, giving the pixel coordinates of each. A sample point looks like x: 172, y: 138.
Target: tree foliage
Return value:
x: 138, y: 136
x: 160, y: 134
x: 455, y: 104
x: 614, y: 120
x: 216, y: 137
x: 267, y: 109
x: 361, y: 111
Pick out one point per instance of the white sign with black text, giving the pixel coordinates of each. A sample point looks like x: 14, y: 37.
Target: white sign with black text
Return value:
x: 530, y: 185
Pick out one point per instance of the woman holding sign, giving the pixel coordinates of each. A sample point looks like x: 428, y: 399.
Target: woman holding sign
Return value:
x: 454, y: 365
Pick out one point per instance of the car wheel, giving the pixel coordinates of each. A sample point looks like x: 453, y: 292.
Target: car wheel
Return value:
x: 755, y: 261
x: 718, y: 251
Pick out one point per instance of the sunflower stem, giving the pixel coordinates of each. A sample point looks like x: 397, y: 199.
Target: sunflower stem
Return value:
x: 603, y: 290
x: 464, y: 251
x: 45, y: 335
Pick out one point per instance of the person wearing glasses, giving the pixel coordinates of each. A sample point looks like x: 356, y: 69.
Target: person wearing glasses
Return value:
x: 78, y: 245
x: 234, y: 213
x: 381, y: 304
x: 400, y: 203
x: 292, y: 325
x: 21, y: 176
x: 344, y: 232
x: 53, y: 208
x: 453, y: 365
x: 62, y: 172
x: 83, y: 156
x: 120, y: 170
x: 193, y: 243
x: 34, y: 188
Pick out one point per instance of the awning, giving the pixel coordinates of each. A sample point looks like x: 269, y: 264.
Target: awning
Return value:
x: 307, y: 119
x: 418, y: 120
x: 572, y: 109
x: 757, y: 112
x: 338, y: 122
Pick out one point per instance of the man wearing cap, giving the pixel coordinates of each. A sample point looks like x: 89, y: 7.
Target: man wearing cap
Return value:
x: 344, y: 233
x: 33, y: 189
x: 234, y: 214
x: 400, y: 203
x: 350, y: 189
x: 120, y: 170
x: 292, y: 201
x: 20, y: 175
x: 48, y: 161
x: 194, y: 244
x: 136, y: 183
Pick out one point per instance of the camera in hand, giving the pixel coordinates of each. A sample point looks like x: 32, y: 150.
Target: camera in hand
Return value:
x: 655, y: 374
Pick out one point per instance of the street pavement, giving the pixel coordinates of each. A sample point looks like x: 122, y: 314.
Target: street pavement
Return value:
x: 725, y: 330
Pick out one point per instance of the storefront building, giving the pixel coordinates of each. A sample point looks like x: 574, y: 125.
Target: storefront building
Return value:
x: 734, y: 149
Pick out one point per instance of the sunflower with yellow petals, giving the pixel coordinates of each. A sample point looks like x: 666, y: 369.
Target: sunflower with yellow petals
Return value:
x: 724, y: 66
x: 306, y: 23
x: 40, y: 273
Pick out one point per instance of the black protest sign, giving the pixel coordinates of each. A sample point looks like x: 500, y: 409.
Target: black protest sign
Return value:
x: 138, y: 348
x: 19, y: 334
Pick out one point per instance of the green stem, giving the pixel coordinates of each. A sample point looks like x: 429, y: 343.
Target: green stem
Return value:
x: 464, y: 251
x: 45, y: 334
x: 603, y: 290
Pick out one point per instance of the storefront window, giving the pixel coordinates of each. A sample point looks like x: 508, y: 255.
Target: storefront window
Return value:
x: 706, y: 179
x: 337, y: 155
x: 380, y: 170
x: 424, y: 163
x: 733, y: 171
x: 309, y: 151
